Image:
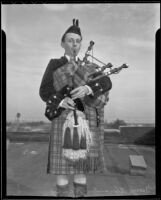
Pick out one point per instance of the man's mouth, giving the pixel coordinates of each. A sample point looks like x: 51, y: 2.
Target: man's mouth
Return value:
x: 74, y: 51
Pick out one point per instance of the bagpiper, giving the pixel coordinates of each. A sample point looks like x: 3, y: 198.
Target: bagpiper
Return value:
x: 75, y: 107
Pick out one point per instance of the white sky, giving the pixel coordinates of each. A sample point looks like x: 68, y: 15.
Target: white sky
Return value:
x: 123, y: 33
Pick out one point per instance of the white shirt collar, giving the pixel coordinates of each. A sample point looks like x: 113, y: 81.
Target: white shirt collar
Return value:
x: 68, y: 57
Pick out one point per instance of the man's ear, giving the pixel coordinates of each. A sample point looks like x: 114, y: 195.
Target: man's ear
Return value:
x: 62, y: 44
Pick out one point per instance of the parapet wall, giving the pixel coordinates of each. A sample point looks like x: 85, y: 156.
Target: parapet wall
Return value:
x: 125, y: 135
x: 136, y: 134
x: 28, y: 136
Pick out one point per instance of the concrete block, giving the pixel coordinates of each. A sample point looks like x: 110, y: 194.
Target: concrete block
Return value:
x: 137, y: 165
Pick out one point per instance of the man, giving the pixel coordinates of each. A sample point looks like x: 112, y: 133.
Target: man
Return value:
x: 65, y: 88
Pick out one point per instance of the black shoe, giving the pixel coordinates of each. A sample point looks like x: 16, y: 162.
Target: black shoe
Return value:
x: 80, y: 190
x: 62, y: 190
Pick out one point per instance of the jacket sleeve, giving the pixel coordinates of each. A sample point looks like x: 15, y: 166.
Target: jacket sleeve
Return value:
x: 100, y: 87
x: 46, y: 87
x: 47, y: 91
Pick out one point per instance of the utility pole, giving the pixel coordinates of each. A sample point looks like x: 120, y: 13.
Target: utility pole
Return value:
x: 18, y: 115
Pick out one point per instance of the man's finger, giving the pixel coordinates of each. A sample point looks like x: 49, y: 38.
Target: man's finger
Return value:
x: 81, y: 92
x: 70, y: 107
x: 75, y: 90
x: 77, y: 96
x: 69, y: 104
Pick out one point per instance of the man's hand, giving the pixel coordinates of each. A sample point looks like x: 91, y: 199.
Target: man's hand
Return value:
x: 67, y: 103
x: 79, y: 92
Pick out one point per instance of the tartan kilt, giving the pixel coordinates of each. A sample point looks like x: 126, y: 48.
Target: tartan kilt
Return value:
x: 58, y: 165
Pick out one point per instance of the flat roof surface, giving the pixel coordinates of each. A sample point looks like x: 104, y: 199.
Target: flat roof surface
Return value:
x: 27, y: 163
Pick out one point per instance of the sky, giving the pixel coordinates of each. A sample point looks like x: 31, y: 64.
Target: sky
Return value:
x: 123, y: 33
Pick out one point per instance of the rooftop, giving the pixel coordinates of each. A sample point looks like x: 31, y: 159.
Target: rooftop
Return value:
x: 27, y: 162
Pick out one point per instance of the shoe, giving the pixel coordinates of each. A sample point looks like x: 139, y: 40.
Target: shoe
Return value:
x: 62, y: 190
x: 80, y: 190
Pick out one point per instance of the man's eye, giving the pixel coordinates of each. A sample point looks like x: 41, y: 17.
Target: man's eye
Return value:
x: 69, y: 40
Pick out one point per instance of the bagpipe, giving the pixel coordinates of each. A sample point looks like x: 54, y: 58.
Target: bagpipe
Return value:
x: 100, y: 70
x: 96, y: 76
x: 77, y: 136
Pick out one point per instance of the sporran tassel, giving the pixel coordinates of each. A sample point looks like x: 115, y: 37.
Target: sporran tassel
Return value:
x: 75, y: 133
x: 83, y: 144
x: 75, y: 139
x: 67, y: 139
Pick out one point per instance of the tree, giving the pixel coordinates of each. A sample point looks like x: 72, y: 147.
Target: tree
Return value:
x: 18, y: 115
x: 115, y: 124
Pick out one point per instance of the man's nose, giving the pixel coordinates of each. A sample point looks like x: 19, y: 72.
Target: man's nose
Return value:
x: 74, y: 43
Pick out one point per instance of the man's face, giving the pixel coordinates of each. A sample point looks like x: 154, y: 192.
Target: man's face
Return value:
x: 72, y: 44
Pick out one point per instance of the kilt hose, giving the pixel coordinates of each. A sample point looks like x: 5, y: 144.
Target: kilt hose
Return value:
x: 58, y: 165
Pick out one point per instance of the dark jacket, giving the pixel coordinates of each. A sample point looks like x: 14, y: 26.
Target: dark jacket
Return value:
x: 52, y: 97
